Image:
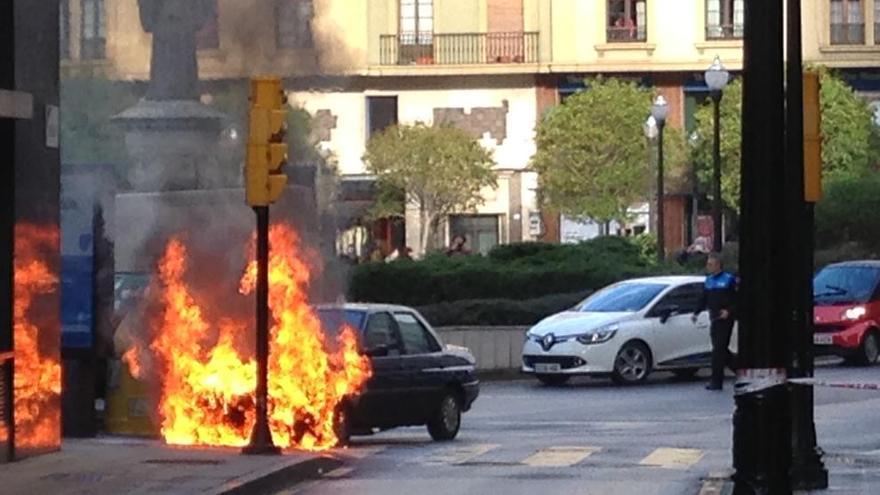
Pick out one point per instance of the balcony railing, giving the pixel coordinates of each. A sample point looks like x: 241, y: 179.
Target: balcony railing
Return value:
x: 847, y: 34
x: 627, y: 34
x: 458, y: 48
x: 724, y: 32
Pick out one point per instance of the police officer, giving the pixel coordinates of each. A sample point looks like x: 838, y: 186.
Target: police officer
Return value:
x: 719, y: 297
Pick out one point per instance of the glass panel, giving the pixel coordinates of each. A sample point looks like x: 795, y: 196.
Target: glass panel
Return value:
x: 854, y: 12
x: 416, y: 339
x: 626, y: 297
x: 88, y: 19
x: 380, y: 332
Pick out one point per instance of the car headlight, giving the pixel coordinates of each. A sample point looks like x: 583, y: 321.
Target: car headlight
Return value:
x: 855, y: 313
x: 532, y: 337
x: 603, y: 334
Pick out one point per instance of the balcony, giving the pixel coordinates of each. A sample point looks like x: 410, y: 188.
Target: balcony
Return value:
x: 627, y: 34
x: 458, y: 48
x: 847, y: 34
x: 724, y: 32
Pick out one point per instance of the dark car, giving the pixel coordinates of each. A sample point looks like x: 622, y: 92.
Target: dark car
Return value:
x: 847, y: 311
x: 416, y: 379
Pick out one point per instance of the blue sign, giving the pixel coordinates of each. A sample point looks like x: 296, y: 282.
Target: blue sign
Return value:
x: 76, y: 301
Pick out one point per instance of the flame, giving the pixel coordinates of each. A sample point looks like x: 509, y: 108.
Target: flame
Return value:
x: 37, y: 374
x: 208, y: 381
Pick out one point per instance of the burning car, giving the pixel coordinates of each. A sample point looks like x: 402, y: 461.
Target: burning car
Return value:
x: 847, y: 311
x: 416, y: 380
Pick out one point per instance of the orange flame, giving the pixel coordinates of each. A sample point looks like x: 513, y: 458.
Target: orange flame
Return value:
x: 208, y: 382
x: 37, y: 373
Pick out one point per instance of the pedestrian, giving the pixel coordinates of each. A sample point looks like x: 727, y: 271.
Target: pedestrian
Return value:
x: 457, y: 247
x: 719, y: 297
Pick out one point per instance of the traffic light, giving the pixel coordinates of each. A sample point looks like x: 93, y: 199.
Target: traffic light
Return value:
x: 812, y: 139
x: 267, y: 142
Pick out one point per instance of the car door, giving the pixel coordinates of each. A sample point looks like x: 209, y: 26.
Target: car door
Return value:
x: 678, y: 340
x: 422, y: 366
x: 380, y: 404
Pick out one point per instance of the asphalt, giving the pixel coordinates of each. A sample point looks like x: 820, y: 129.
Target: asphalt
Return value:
x: 591, y: 437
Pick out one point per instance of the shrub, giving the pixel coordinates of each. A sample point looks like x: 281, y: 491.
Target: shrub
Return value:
x: 540, y: 270
x: 499, y: 311
x: 848, y: 212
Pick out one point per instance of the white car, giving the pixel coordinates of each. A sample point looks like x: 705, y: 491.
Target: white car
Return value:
x: 626, y: 330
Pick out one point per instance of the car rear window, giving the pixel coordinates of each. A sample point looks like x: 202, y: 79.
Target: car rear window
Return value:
x: 333, y: 319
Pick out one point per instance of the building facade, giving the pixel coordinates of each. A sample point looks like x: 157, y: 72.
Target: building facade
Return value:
x: 492, y: 67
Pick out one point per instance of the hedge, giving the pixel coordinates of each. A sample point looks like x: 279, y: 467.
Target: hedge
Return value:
x: 481, y: 312
x: 512, y: 272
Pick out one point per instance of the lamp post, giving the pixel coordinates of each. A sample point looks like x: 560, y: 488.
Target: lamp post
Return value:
x: 716, y: 77
x: 650, y: 129
x: 659, y: 110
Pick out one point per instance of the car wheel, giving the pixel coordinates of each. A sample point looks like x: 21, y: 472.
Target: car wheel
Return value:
x: 632, y: 364
x: 342, y: 424
x: 446, y: 421
x: 869, y: 352
x: 685, y: 373
x: 553, y: 380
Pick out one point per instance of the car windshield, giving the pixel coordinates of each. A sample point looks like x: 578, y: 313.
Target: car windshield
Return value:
x: 845, y: 284
x: 628, y: 297
x: 333, y: 319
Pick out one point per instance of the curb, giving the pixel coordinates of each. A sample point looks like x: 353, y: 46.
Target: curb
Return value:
x: 717, y: 484
x: 280, y: 477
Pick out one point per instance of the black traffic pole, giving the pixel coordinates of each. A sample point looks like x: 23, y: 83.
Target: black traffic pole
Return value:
x: 718, y: 241
x: 661, y: 221
x: 807, y: 470
x: 761, y: 429
x: 261, y: 437
x: 7, y: 233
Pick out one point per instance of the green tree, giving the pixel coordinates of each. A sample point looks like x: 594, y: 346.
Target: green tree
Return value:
x: 88, y: 135
x: 442, y: 170
x: 592, y: 156
x: 848, y: 135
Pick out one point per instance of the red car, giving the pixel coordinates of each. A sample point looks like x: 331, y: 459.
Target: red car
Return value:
x: 847, y: 311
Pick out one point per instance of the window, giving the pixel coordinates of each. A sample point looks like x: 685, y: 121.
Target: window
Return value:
x: 620, y: 298
x: 416, y: 339
x: 686, y: 298
x: 627, y: 21
x: 847, y: 22
x: 416, y: 32
x: 64, y: 30
x: 724, y: 19
x: 877, y: 22
x: 208, y: 38
x: 381, y: 113
x: 333, y: 320
x: 293, y: 23
x: 380, y: 332
x: 480, y: 231
x: 94, y: 30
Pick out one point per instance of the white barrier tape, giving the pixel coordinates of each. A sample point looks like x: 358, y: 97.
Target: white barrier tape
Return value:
x: 756, y: 379
x: 821, y: 383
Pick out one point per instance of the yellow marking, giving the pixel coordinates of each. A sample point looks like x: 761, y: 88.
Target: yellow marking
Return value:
x: 560, y: 456
x: 339, y: 472
x: 669, y: 458
x: 459, y: 455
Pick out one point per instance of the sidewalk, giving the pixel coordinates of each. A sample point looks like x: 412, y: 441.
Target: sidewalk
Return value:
x: 133, y: 466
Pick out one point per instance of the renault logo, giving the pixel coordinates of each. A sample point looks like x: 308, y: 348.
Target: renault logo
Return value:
x: 548, y: 341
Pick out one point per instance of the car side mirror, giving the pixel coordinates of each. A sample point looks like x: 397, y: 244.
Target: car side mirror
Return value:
x: 667, y: 312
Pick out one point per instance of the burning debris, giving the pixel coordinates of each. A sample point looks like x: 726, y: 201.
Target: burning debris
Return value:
x: 207, y: 373
x: 37, y: 363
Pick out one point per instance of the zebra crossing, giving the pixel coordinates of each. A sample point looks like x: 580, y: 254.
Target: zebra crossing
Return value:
x: 553, y: 456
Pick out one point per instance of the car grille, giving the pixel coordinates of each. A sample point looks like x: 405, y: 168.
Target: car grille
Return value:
x: 829, y: 328
x: 564, y: 362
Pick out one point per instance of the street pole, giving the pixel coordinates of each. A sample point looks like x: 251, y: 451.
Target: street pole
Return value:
x: 807, y: 470
x: 661, y: 223
x: 261, y: 438
x: 718, y: 241
x: 761, y: 423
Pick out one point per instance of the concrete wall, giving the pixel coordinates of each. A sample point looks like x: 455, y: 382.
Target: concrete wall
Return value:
x: 496, y: 348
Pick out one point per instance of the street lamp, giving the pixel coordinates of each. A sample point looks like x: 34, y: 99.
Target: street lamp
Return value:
x: 659, y: 110
x: 716, y: 78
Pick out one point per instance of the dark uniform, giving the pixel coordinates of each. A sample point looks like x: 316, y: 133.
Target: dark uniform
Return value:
x: 719, y: 293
